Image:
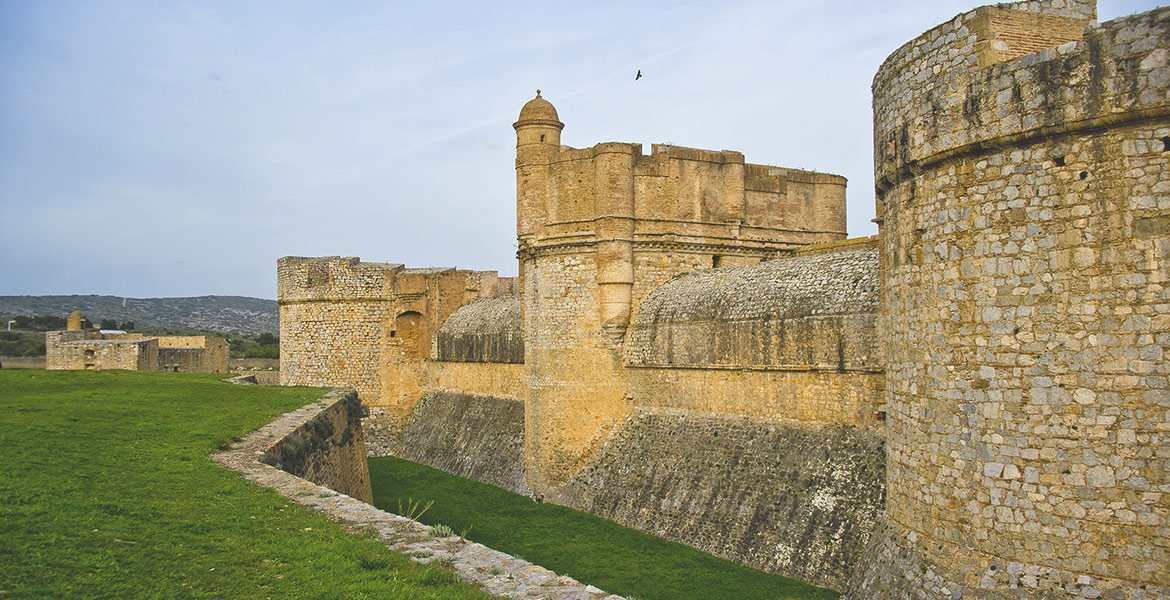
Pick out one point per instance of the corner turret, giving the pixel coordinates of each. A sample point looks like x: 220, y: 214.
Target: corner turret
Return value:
x: 538, y: 124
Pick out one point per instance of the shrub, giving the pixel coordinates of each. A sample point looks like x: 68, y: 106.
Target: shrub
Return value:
x: 440, y: 531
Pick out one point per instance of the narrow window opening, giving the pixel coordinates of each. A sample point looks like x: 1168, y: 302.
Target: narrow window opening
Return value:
x: 1166, y: 144
x: 716, y: 261
x: 542, y: 137
x: 1059, y: 160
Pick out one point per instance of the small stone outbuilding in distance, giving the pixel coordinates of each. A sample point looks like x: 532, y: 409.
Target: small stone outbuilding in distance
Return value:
x: 82, y: 348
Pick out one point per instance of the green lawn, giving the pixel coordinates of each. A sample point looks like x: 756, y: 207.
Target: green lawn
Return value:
x: 106, y: 492
x: 588, y: 548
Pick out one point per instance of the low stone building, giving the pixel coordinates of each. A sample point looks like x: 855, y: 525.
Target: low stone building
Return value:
x: 80, y: 348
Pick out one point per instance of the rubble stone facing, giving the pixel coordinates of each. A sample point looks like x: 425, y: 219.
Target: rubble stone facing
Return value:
x: 369, y: 326
x: 87, y: 349
x: 1025, y: 207
x: 496, y: 572
x: 474, y: 436
x: 779, y: 495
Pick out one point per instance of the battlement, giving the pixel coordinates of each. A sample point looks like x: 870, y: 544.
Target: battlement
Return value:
x: 347, y: 279
x: 704, y: 193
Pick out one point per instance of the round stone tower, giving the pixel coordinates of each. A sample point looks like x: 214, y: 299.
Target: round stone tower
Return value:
x: 76, y: 321
x: 1023, y: 186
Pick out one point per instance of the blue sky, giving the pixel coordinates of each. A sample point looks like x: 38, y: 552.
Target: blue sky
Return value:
x: 178, y: 148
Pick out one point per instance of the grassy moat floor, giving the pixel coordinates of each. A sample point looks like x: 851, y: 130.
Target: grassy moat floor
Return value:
x: 106, y: 491
x: 588, y: 548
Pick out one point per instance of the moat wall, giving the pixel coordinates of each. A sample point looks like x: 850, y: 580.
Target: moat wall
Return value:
x: 783, y: 496
x: 328, y: 449
x: 764, y: 449
x: 1025, y: 204
x: 474, y: 436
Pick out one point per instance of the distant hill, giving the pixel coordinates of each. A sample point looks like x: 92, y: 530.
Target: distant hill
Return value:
x: 227, y: 314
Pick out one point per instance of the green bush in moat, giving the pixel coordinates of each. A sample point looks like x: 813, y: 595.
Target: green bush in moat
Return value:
x: 107, y: 492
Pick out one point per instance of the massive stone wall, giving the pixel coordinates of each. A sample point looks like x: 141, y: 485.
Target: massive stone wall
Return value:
x: 474, y: 436
x: 1024, y: 260
x: 333, y: 317
x: 369, y: 326
x: 598, y: 229
x: 780, y: 495
x: 193, y: 354
x: 329, y: 448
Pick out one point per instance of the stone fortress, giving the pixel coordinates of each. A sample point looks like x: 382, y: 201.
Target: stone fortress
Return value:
x: 972, y: 404
x: 80, y: 347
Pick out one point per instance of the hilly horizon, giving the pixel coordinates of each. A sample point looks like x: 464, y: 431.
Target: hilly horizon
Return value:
x: 225, y: 314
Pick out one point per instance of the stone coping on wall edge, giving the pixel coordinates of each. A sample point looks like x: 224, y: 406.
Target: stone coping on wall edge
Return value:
x: 494, y: 571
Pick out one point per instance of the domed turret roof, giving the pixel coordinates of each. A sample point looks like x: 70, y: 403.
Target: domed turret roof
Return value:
x: 538, y: 111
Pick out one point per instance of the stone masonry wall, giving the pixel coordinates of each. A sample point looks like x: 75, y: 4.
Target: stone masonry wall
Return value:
x: 333, y: 318
x: 811, y: 396
x: 784, y: 496
x: 193, y: 353
x: 473, y: 436
x: 328, y: 449
x: 180, y: 360
x: 1025, y: 236
x: 369, y: 326
x: 574, y: 394
x: 79, y: 350
x: 501, y: 380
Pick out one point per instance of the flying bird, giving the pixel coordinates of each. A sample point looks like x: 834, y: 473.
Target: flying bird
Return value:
x: 639, y: 75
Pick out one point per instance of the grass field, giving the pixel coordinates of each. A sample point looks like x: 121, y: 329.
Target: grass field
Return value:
x: 588, y: 548
x: 106, y: 492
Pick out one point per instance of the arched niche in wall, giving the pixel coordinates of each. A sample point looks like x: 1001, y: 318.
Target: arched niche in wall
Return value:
x: 410, y: 328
